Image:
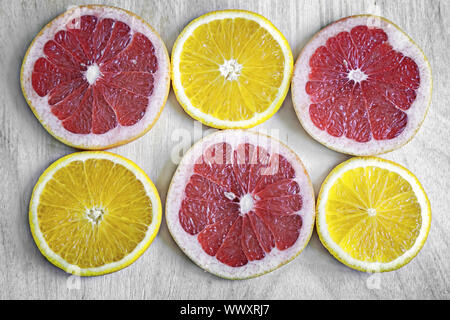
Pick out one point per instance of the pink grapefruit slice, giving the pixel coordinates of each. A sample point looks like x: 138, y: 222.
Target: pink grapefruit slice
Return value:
x: 96, y: 77
x: 240, y: 204
x: 361, y: 86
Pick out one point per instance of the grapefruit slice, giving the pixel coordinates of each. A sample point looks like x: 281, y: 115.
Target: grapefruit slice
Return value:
x: 96, y: 77
x: 361, y: 86
x: 94, y: 212
x: 240, y: 204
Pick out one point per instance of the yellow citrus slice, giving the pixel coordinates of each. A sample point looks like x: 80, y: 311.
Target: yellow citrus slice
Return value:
x: 373, y: 214
x: 231, y: 69
x: 93, y: 213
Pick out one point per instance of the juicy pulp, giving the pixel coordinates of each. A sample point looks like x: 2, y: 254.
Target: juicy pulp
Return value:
x: 371, y: 105
x: 225, y: 230
x: 119, y: 94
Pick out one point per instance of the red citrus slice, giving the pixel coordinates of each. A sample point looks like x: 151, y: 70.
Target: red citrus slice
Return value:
x: 96, y: 77
x: 240, y: 204
x: 362, y: 86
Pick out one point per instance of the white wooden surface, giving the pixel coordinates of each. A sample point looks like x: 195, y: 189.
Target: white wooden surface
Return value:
x: 164, y: 272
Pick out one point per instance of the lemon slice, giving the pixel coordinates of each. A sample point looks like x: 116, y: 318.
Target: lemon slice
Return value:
x: 231, y: 69
x: 93, y: 213
x: 373, y: 214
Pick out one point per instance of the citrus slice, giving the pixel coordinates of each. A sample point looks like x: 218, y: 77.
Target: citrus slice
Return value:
x: 361, y: 86
x: 373, y: 214
x: 240, y: 204
x: 231, y: 69
x: 96, y: 77
x: 94, y: 212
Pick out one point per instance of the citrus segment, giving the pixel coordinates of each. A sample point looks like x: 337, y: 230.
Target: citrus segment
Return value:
x: 94, y: 213
x: 361, y: 86
x: 96, y: 72
x: 373, y: 214
x: 231, y: 69
x: 244, y: 206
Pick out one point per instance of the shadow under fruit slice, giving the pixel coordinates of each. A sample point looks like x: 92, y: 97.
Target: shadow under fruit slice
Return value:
x: 372, y: 214
x: 93, y: 213
x: 240, y: 204
x: 361, y: 86
x: 96, y: 77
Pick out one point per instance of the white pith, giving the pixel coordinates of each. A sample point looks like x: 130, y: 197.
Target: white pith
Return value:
x: 246, y: 203
x: 92, y: 73
x: 58, y: 260
x: 230, y: 195
x: 119, y: 134
x: 357, y: 75
x: 400, y: 42
x: 178, y: 87
x: 230, y: 69
x: 189, y: 243
x: 94, y: 215
x: 371, y: 212
x: 417, y: 189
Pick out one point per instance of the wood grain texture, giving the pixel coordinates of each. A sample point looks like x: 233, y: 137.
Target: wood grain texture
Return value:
x: 164, y: 272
